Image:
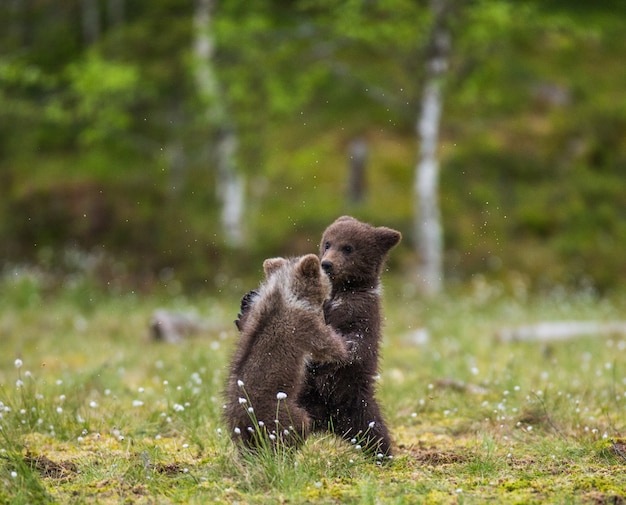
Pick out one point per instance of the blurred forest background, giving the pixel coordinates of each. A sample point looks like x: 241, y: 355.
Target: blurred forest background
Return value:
x: 173, y: 142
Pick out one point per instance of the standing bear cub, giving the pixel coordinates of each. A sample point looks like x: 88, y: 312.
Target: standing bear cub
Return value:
x: 339, y: 396
x: 284, y: 326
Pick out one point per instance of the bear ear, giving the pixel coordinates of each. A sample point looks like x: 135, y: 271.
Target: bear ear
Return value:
x: 387, y: 237
x: 309, y: 266
x: 270, y: 265
x: 344, y: 218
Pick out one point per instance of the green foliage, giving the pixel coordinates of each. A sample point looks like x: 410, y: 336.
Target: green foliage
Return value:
x: 102, y: 91
x: 106, y: 146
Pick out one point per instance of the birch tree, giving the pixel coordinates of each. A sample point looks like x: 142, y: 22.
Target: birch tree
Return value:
x: 230, y: 184
x: 428, y: 227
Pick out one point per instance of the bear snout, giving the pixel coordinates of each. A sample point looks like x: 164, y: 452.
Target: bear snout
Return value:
x: 327, y: 266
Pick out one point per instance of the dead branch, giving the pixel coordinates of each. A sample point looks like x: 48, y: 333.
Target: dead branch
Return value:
x: 560, y: 330
x: 619, y: 448
x: 174, y: 327
x: 460, y: 386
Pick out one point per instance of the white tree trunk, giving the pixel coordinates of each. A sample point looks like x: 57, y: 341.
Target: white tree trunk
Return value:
x: 231, y: 188
x: 428, y: 228
x: 357, y: 165
x: 230, y: 184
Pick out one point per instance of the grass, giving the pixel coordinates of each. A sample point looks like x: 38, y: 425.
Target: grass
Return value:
x: 92, y: 411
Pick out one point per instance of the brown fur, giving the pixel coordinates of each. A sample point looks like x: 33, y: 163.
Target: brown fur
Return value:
x: 284, y: 324
x: 340, y: 395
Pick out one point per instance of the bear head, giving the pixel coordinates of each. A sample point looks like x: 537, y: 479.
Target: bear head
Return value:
x: 352, y: 252
x: 301, y: 278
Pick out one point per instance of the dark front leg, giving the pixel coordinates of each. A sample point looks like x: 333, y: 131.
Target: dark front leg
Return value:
x: 312, y: 400
x: 364, y: 426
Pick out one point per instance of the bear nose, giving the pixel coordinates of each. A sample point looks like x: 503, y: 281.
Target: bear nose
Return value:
x: 327, y: 266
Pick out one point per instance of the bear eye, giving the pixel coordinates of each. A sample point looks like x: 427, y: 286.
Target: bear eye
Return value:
x: 326, y: 246
x: 347, y: 249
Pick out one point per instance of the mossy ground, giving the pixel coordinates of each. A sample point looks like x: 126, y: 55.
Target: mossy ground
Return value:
x: 97, y: 413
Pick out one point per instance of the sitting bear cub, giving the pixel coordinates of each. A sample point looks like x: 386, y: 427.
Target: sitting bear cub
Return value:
x: 284, y: 326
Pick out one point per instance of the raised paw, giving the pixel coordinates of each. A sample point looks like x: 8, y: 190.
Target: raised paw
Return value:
x: 247, y: 300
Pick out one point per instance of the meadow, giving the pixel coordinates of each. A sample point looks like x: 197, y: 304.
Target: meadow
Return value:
x: 93, y: 411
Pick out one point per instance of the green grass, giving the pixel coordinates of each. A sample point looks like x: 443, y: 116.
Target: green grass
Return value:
x: 97, y: 413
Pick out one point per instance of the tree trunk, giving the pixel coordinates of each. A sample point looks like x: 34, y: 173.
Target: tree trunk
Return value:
x: 17, y: 27
x: 230, y: 184
x: 116, y: 11
x: 231, y: 188
x: 91, y: 21
x: 357, y: 162
x: 428, y: 228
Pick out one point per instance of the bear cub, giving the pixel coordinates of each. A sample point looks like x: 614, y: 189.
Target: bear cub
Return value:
x: 284, y: 327
x: 340, y: 396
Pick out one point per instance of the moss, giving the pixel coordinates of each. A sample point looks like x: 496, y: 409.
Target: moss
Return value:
x: 514, y: 485
x: 603, y: 483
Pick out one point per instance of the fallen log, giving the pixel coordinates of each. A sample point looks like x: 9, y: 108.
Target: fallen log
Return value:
x: 560, y: 330
x: 174, y: 327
